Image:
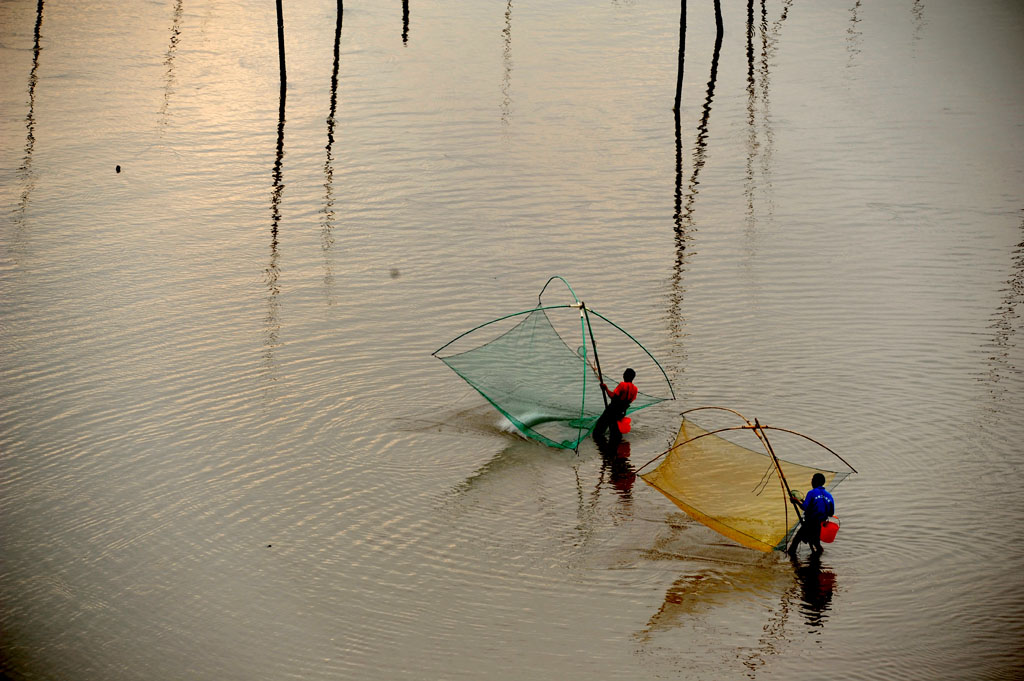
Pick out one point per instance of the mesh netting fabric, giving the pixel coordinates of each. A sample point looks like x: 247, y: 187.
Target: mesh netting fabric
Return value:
x: 546, y: 389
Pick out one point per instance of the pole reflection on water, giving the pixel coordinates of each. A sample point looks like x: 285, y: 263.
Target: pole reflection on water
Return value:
x: 700, y: 149
x: 617, y: 466
x: 816, y: 584
x: 170, y: 81
x: 676, y: 295
x: 748, y: 189
x: 1004, y: 324
x: 506, y: 79
x: 28, y: 178
x: 272, y: 331
x: 917, y: 12
x: 327, y: 220
x: 765, y: 145
x: 760, y: 137
x: 683, y: 214
x: 854, y: 36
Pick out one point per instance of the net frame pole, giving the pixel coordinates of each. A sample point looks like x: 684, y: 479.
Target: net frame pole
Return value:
x: 759, y: 431
x: 597, y: 360
x: 583, y: 393
x: 584, y: 325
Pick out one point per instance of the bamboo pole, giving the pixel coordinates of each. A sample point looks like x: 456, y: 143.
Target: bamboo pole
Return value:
x: 759, y: 431
x: 597, y: 360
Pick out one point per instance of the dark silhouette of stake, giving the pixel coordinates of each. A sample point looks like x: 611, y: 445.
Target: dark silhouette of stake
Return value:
x: 593, y: 344
x: 682, y: 51
x: 278, y: 184
x: 273, y: 329
x: 405, y: 22
x: 331, y: 117
x: 280, y: 43
x: 327, y: 212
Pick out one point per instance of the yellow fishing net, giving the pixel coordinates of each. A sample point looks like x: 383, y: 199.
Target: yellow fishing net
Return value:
x: 732, y: 489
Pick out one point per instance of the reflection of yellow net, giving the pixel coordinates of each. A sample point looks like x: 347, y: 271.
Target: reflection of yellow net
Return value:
x: 733, y: 490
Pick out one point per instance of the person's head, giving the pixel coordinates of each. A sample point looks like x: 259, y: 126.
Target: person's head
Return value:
x: 628, y: 375
x: 818, y: 480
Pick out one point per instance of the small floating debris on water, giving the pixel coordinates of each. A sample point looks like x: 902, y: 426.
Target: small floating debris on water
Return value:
x: 117, y: 168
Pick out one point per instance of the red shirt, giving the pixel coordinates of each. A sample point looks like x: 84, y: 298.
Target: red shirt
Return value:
x: 624, y: 392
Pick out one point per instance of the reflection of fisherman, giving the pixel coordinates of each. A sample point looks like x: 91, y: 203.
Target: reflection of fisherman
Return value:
x: 816, y: 587
x: 618, y: 403
x: 615, y: 459
x: 818, y: 506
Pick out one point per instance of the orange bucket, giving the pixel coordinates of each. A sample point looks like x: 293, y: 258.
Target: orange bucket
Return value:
x: 829, y: 528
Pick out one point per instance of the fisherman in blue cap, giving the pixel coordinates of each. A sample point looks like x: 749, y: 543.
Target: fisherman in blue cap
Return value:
x: 818, y: 506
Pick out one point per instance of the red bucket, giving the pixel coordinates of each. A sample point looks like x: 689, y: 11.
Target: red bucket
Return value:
x: 829, y: 528
x: 624, y: 424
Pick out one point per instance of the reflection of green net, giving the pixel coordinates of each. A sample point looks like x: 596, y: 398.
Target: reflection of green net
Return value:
x: 732, y: 489
x: 544, y: 387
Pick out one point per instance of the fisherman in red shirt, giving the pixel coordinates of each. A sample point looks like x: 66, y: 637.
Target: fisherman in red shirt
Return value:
x: 619, y: 402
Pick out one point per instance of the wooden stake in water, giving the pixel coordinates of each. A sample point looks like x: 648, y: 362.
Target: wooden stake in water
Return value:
x: 280, y: 42
x: 682, y: 52
x: 405, y: 22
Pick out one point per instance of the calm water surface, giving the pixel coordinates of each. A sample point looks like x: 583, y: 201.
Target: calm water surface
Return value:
x: 225, y: 449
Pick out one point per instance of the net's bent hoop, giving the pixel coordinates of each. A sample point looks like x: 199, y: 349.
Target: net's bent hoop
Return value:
x: 641, y: 346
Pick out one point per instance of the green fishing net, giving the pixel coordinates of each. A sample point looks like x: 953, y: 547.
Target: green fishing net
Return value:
x: 539, y: 369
